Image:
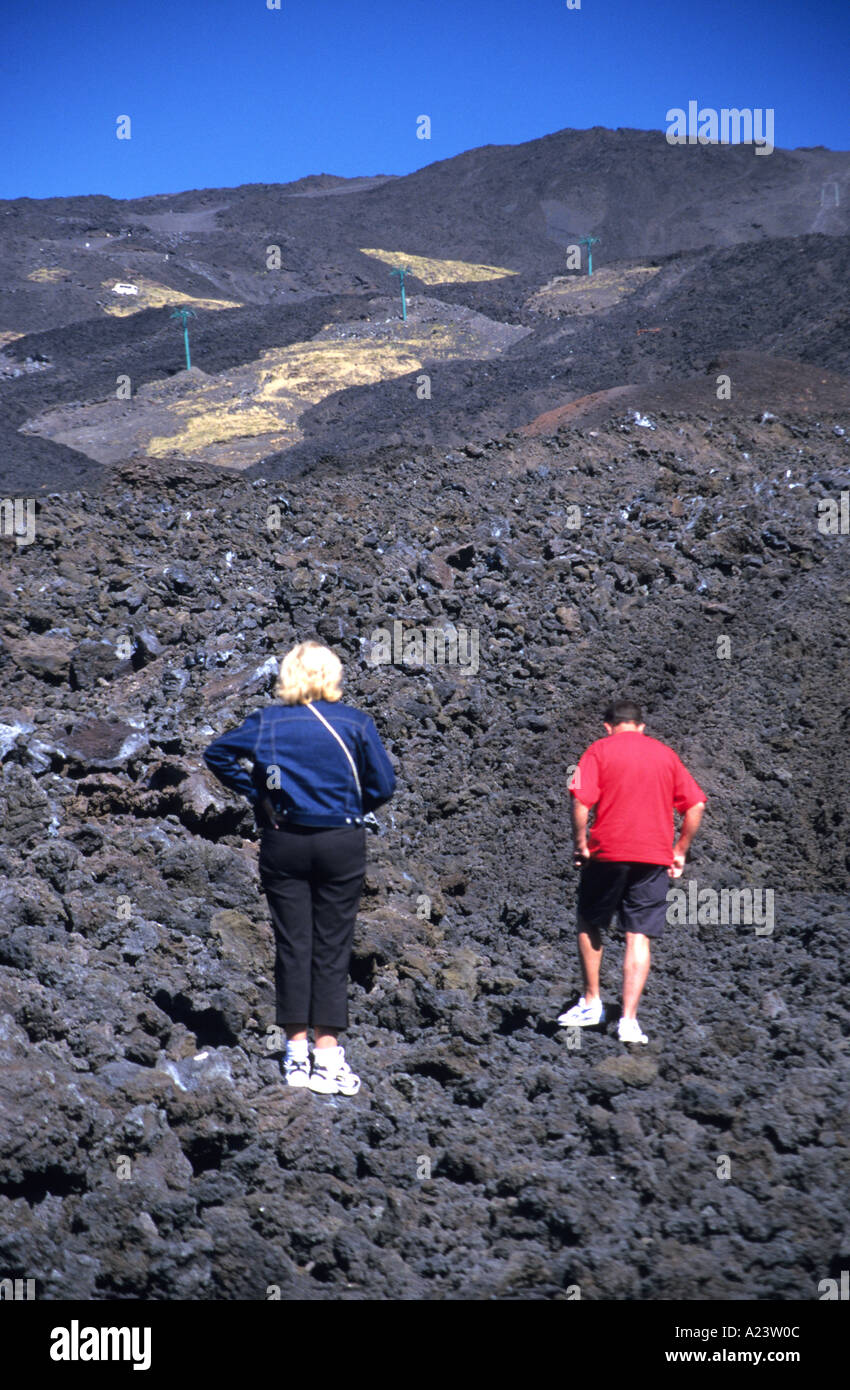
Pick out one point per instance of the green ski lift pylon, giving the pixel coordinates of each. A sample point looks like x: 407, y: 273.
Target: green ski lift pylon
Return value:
x: 401, y: 272
x: 185, y: 315
x: 588, y: 241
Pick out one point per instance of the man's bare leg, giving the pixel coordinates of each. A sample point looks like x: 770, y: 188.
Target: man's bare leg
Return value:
x: 297, y: 1032
x: 635, y: 971
x: 590, y: 955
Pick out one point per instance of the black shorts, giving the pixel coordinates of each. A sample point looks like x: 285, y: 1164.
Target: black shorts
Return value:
x: 636, y: 892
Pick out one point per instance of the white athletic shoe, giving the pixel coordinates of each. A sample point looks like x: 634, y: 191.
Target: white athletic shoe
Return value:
x: 583, y: 1015
x: 629, y: 1031
x: 332, y: 1075
x: 296, y: 1071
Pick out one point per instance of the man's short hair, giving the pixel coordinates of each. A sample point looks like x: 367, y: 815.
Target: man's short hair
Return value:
x: 623, y: 711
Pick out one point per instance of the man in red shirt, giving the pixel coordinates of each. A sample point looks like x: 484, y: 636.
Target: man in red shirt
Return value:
x: 635, y: 783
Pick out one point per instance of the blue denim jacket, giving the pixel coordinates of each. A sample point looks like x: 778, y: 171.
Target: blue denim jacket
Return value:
x: 299, y: 766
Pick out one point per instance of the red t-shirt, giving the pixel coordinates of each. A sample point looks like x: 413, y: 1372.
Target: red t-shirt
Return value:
x: 635, y: 783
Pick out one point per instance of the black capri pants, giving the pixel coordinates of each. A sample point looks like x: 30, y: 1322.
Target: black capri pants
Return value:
x: 313, y: 878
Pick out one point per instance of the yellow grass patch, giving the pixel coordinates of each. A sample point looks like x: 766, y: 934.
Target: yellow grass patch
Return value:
x: 588, y: 294
x: 216, y: 427
x: 48, y: 274
x: 9, y: 337
x: 152, y: 295
x: 435, y: 272
x: 236, y: 418
x: 267, y: 397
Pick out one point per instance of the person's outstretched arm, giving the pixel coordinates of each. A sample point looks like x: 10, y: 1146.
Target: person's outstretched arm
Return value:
x: 223, y: 755
x: 377, y: 775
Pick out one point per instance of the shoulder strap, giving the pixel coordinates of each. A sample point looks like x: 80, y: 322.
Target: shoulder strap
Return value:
x: 342, y: 745
x: 259, y: 732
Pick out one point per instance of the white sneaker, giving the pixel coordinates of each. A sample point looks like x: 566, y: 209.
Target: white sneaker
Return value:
x: 296, y: 1070
x: 583, y: 1015
x: 629, y: 1031
x: 332, y: 1075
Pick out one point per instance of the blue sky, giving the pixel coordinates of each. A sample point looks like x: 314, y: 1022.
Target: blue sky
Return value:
x: 225, y: 92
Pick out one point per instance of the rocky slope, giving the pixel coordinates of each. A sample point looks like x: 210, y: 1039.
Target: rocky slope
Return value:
x: 729, y: 250
x: 147, y: 1146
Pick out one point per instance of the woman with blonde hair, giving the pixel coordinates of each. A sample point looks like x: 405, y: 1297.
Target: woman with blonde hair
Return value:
x: 318, y: 767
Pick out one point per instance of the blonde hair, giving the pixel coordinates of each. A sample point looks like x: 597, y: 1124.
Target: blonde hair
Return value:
x: 309, y: 672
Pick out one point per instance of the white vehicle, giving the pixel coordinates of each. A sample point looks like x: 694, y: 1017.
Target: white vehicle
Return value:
x: 125, y: 289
